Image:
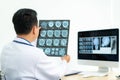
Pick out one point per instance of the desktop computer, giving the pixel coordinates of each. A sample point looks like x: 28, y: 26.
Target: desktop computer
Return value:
x: 99, y: 48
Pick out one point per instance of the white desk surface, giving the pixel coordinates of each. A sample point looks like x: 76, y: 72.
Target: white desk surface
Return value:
x: 111, y: 76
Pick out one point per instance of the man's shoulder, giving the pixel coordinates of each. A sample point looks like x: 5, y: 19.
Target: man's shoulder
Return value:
x: 37, y: 49
x: 34, y: 50
x: 6, y: 46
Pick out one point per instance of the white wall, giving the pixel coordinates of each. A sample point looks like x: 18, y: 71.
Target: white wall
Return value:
x: 83, y: 14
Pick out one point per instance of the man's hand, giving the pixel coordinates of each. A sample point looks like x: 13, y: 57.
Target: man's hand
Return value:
x: 66, y: 57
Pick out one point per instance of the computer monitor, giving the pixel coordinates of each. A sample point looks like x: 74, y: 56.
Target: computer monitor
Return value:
x: 99, y: 48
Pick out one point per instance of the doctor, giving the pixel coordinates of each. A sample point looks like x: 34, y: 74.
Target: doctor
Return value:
x: 23, y: 61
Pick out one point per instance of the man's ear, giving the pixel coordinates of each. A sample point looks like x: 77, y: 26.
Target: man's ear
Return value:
x: 34, y: 30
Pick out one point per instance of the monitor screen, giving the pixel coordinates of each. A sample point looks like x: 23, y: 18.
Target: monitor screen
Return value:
x: 99, y: 45
x: 53, y: 37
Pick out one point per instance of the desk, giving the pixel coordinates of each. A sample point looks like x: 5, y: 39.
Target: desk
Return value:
x: 111, y: 76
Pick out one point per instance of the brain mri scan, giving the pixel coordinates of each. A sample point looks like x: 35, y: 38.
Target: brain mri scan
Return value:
x: 63, y: 42
x: 51, y: 23
x: 57, y: 33
x: 49, y: 42
x: 57, y: 24
x: 56, y: 42
x: 41, y: 42
x: 105, y: 41
x: 47, y: 50
x: 53, y: 37
x: 65, y: 24
x: 64, y: 33
x: 43, y: 24
x: 62, y: 51
x: 50, y: 33
x: 43, y: 33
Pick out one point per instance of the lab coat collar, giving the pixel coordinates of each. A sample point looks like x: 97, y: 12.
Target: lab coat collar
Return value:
x: 22, y: 41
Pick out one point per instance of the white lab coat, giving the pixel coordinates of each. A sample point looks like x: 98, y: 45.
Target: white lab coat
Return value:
x: 25, y: 62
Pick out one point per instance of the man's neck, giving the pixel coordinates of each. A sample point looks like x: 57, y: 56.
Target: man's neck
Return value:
x: 26, y: 37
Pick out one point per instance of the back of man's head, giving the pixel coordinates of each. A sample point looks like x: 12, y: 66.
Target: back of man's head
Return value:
x: 24, y: 20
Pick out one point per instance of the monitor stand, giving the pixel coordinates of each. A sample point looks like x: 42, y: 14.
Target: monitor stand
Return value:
x: 102, y: 71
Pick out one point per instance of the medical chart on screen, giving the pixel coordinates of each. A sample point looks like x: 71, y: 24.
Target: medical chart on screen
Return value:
x: 98, y: 45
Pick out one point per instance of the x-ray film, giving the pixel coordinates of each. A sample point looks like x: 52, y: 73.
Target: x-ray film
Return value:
x: 53, y: 37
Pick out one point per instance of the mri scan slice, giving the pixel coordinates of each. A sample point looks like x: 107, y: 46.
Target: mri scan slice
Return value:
x: 56, y: 42
x: 57, y: 33
x: 96, y: 41
x: 63, y: 42
x: 105, y: 41
x: 41, y: 42
x: 49, y: 42
x: 56, y: 53
x: 43, y: 25
x: 51, y: 23
x: 47, y: 51
x: 53, y: 51
x: 62, y: 52
x: 57, y: 49
x: 43, y: 33
x: 57, y: 24
x: 64, y: 33
x: 50, y: 33
x: 65, y: 24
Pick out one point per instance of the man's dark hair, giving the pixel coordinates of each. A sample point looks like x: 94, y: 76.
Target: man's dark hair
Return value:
x: 24, y: 20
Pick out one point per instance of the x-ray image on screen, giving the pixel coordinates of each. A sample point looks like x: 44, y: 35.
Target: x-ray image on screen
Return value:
x: 113, y: 45
x: 105, y: 42
x: 96, y: 43
x: 100, y: 44
x: 53, y: 37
